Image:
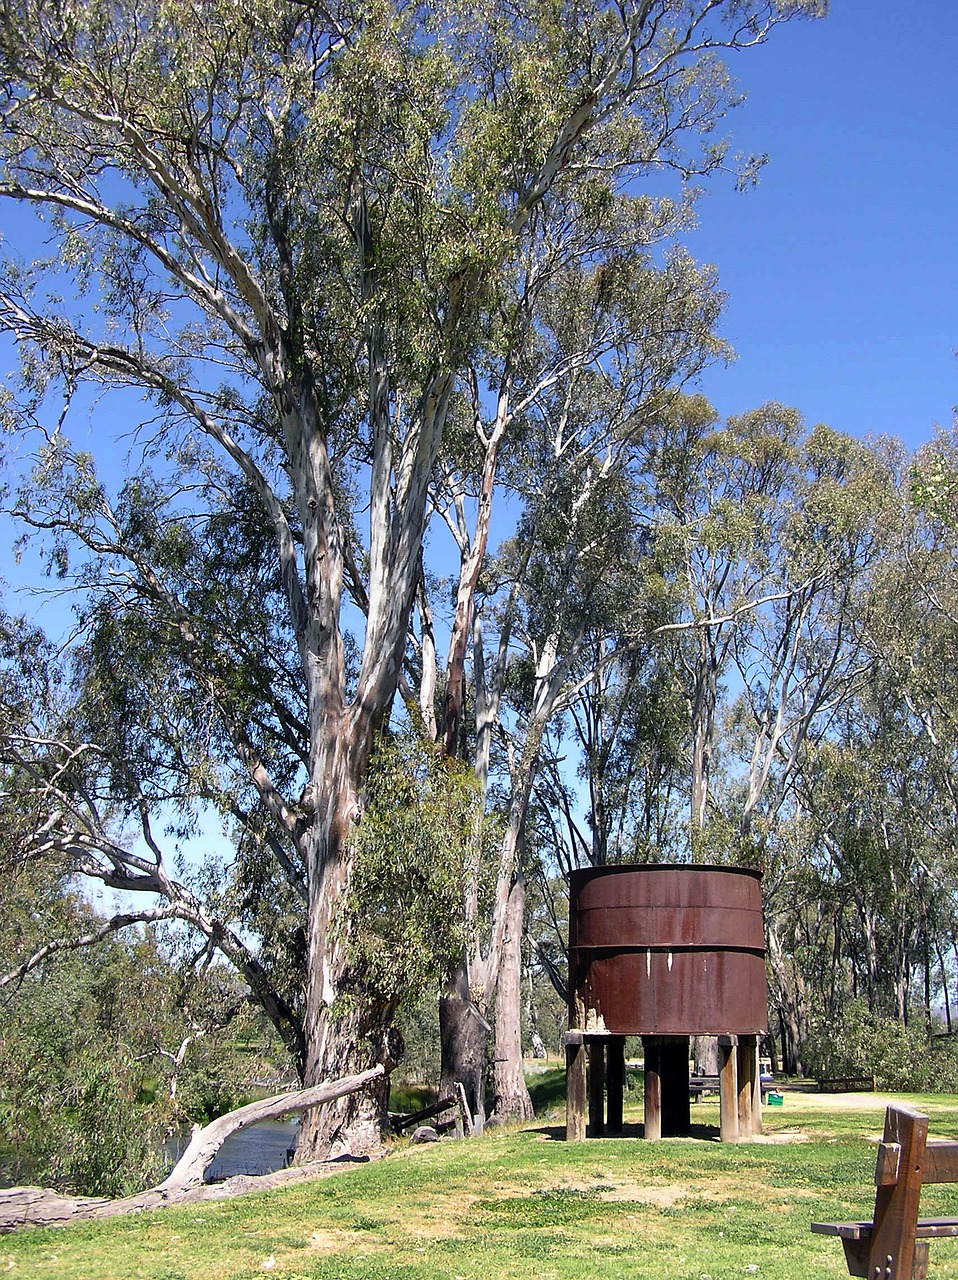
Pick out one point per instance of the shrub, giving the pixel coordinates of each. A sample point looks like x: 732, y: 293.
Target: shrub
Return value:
x: 859, y: 1042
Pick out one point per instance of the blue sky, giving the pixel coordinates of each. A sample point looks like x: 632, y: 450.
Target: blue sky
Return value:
x: 841, y: 266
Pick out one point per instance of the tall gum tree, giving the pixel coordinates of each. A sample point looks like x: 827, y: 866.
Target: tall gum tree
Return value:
x: 875, y: 795
x: 605, y: 349
x: 287, y: 226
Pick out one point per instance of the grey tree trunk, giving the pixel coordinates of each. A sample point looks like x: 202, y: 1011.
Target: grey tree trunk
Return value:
x: 705, y: 1055
x: 464, y: 1039
x: 787, y: 996
x: 511, y: 1099
x: 343, y: 1037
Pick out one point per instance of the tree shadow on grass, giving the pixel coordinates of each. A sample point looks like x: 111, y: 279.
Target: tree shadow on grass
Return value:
x: 698, y: 1132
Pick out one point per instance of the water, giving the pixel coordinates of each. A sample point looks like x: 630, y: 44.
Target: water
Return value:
x: 262, y: 1148
x: 259, y: 1150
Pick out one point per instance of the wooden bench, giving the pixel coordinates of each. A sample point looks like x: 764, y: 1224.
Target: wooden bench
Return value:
x: 894, y: 1245
x: 847, y: 1084
x: 699, y: 1085
x: 702, y: 1084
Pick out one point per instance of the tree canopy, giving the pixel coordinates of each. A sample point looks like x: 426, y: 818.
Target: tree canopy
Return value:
x: 334, y: 275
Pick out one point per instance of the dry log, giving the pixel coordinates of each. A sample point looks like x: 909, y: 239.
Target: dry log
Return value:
x: 401, y: 1122
x: 38, y: 1207
x: 199, y: 1155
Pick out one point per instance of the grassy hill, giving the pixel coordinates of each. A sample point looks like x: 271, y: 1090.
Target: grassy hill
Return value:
x: 528, y: 1206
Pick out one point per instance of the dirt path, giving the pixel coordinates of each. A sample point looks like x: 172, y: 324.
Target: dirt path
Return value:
x: 840, y: 1101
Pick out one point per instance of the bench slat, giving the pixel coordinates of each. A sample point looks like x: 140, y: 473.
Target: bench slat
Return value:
x: 847, y: 1230
x: 927, y: 1229
x: 847, y: 1084
x: 941, y: 1161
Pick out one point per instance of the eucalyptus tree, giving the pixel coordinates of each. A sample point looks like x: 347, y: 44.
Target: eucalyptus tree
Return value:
x: 803, y: 655
x: 290, y: 230
x: 104, y: 758
x: 844, y: 788
x: 912, y: 719
x: 878, y: 822
x: 617, y: 340
x: 577, y: 574
x: 809, y: 650
x: 627, y: 728
x: 723, y: 492
x: 609, y: 345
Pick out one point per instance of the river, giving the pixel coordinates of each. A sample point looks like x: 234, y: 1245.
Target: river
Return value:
x: 259, y: 1149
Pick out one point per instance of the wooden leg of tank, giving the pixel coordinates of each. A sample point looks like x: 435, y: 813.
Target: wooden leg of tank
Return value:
x: 575, y: 1074
x: 596, y: 1088
x: 744, y: 1067
x: 728, y: 1088
x: 674, y: 1070
x: 615, y: 1083
x: 749, y: 1087
x: 653, y: 1088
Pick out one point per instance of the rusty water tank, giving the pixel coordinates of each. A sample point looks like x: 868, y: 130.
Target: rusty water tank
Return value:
x: 667, y: 950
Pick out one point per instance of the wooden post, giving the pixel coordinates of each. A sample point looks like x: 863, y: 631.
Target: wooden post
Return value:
x: 674, y: 1071
x: 892, y: 1252
x: 749, y: 1055
x: 653, y: 1088
x: 615, y: 1083
x: 464, y: 1120
x: 747, y: 1064
x: 575, y: 1074
x: 596, y: 1088
x: 728, y: 1088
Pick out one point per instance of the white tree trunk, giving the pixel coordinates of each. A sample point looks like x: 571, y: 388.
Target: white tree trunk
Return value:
x: 39, y: 1207
x: 199, y: 1155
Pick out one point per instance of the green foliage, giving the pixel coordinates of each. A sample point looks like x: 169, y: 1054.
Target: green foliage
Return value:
x: 418, y: 1022
x: 857, y: 1042
x: 70, y: 1082
x: 934, y: 479
x: 403, y: 916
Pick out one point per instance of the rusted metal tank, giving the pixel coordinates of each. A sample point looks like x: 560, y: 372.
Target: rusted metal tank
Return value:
x: 667, y: 950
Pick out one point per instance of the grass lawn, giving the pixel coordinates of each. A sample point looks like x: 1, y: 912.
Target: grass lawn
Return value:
x: 525, y: 1205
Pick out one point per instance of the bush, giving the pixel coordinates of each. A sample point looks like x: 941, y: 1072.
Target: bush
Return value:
x: 403, y: 917
x: 74, y: 1120
x: 861, y: 1043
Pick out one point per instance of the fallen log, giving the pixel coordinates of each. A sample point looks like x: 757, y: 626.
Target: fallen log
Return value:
x: 201, y: 1152
x: 40, y: 1207
x: 401, y: 1122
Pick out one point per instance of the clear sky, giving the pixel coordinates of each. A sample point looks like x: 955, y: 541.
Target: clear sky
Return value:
x: 842, y: 265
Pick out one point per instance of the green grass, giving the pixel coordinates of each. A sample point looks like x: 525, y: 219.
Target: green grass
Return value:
x: 523, y: 1204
